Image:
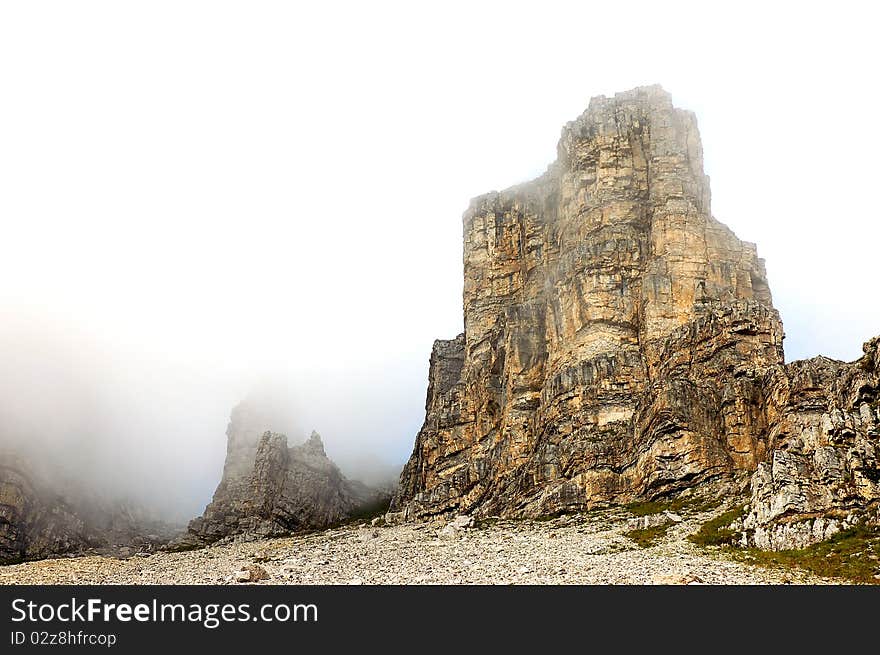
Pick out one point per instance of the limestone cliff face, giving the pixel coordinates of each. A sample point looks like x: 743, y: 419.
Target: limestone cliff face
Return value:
x: 615, y: 335
x: 271, y: 489
x: 823, y: 473
x: 621, y: 344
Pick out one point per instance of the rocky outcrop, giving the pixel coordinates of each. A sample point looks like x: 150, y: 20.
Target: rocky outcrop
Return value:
x: 38, y: 521
x: 619, y: 342
x: 823, y: 473
x: 32, y: 524
x: 615, y: 332
x: 270, y: 489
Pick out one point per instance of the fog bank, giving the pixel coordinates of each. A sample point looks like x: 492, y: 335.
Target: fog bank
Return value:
x: 201, y: 199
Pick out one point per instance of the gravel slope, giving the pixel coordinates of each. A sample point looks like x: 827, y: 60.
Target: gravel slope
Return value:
x: 587, y: 549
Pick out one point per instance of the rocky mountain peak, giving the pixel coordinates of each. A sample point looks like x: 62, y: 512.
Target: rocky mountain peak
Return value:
x: 619, y: 342
x: 270, y: 488
x: 314, y: 444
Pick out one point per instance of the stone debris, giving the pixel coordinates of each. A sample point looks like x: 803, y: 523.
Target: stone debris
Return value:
x: 668, y: 579
x: 581, y: 549
x: 462, y: 522
x: 650, y: 521
x: 263, y: 555
x: 251, y: 573
x: 455, y: 527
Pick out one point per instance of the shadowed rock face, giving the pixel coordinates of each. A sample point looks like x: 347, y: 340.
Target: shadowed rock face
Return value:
x: 618, y: 339
x: 270, y: 489
x: 37, y: 520
x: 32, y: 524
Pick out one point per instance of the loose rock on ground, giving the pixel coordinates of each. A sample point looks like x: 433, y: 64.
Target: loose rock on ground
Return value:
x: 581, y: 549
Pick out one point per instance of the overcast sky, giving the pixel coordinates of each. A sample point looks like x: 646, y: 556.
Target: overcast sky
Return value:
x: 201, y: 197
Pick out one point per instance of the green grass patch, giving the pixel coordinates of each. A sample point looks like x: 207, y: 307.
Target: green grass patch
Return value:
x: 487, y: 522
x: 852, y: 554
x: 650, y: 507
x: 849, y: 554
x: 552, y: 516
x: 646, y: 537
x: 676, y: 505
x: 182, y: 546
x: 717, y: 531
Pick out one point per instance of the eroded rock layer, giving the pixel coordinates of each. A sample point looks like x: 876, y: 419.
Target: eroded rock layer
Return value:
x: 618, y: 340
x: 614, y: 331
x: 823, y: 473
x: 270, y: 489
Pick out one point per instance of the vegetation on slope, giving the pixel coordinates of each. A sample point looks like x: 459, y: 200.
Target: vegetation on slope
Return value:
x: 852, y: 554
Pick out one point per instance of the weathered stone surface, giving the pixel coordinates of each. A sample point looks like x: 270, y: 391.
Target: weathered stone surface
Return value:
x: 270, y: 489
x: 38, y: 521
x: 34, y: 524
x: 823, y: 473
x: 615, y: 332
x: 621, y: 344
x: 251, y: 573
x: 14, y: 493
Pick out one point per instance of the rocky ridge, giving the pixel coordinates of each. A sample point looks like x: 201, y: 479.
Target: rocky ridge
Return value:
x: 823, y: 471
x: 270, y: 489
x: 621, y: 344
